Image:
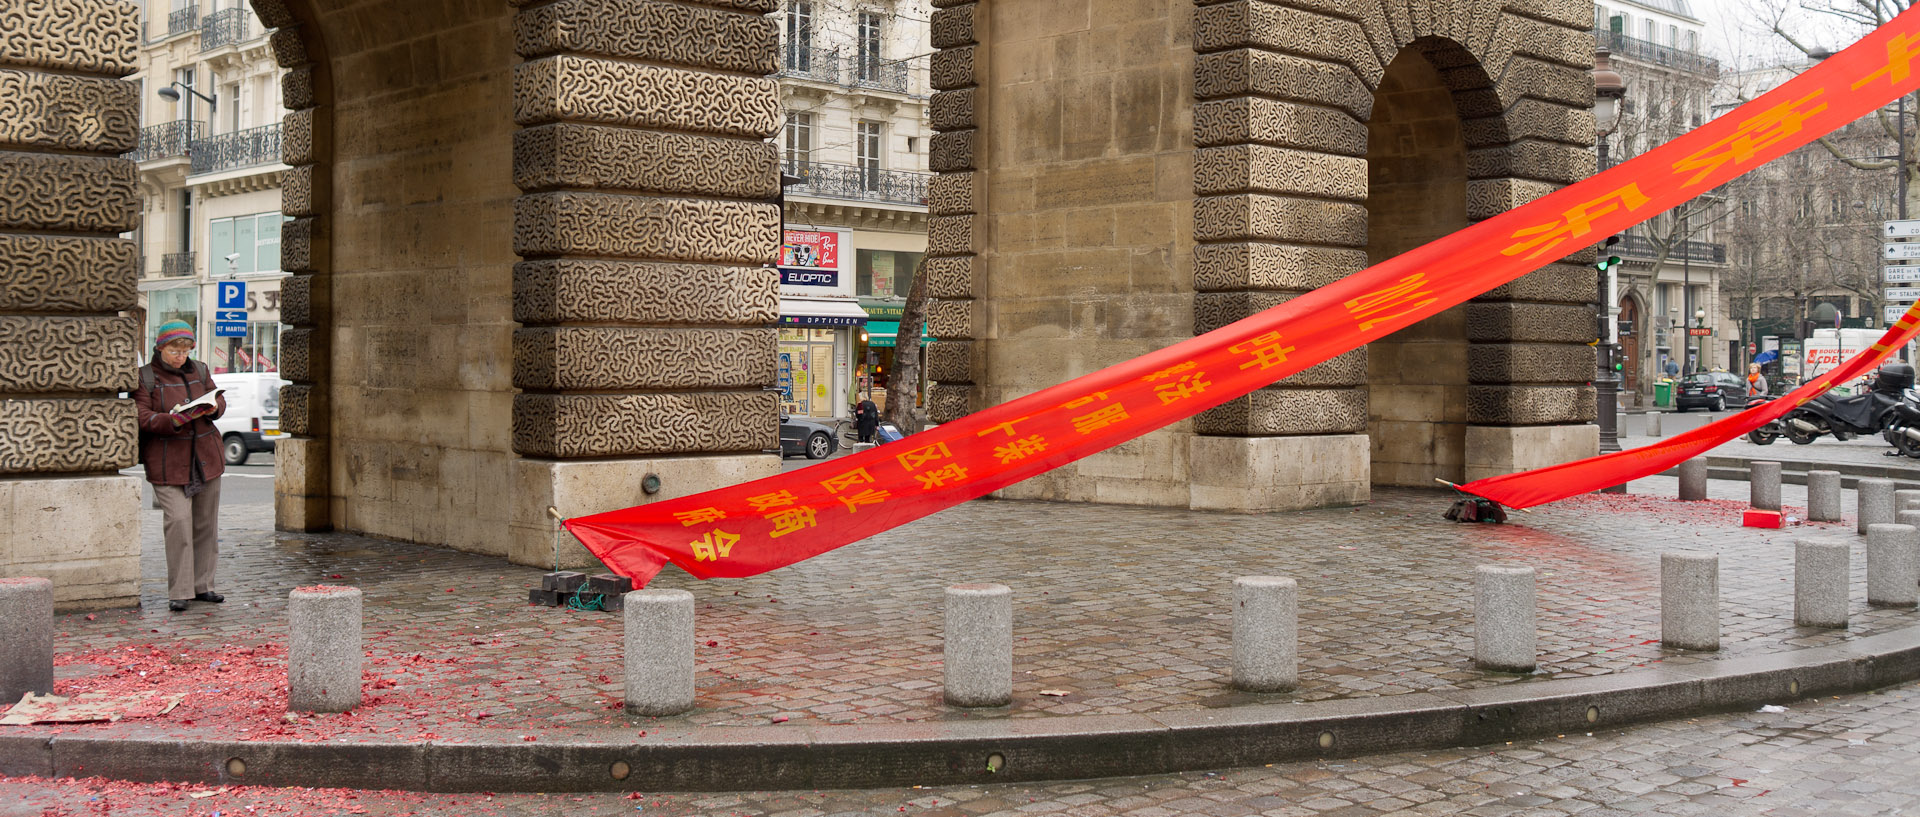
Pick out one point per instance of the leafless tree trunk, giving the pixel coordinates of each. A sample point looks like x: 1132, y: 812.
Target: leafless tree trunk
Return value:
x: 904, y: 384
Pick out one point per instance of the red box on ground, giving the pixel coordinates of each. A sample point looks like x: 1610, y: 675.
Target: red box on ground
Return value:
x: 1762, y: 519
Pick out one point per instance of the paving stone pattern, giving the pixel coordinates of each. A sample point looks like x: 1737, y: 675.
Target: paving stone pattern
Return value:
x: 1126, y: 609
x: 1849, y: 756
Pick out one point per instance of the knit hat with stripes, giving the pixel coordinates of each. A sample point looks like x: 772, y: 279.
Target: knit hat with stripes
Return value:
x: 174, y: 330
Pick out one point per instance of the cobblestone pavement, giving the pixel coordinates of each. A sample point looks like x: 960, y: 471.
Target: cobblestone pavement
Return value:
x: 1850, y: 756
x: 1859, y: 451
x: 1124, y: 609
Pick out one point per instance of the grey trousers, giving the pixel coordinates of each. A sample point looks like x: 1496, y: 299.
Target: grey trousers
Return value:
x: 191, y: 528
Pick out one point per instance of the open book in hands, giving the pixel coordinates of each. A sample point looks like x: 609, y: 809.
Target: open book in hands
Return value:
x: 200, y: 406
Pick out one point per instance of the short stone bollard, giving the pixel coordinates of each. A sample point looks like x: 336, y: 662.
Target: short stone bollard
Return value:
x: 323, y: 649
x: 1823, y: 496
x: 1653, y: 423
x: 1906, y: 518
x: 1693, y: 480
x: 1265, y: 645
x: 1763, y: 479
x: 1906, y: 500
x: 1893, y: 565
x: 659, y: 651
x: 1504, y: 636
x: 1820, y: 574
x: 979, y: 645
x: 1873, y: 503
x: 1690, y: 600
x: 26, y: 638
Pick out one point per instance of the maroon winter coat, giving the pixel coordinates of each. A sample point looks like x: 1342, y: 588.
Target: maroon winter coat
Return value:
x: 169, y: 450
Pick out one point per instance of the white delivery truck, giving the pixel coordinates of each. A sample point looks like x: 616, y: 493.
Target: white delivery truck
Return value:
x: 1826, y: 350
x: 252, y: 422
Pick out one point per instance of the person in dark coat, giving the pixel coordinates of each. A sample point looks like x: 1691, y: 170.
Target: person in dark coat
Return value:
x: 183, y: 459
x: 866, y: 418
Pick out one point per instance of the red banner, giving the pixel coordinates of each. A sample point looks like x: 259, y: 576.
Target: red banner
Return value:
x: 748, y: 529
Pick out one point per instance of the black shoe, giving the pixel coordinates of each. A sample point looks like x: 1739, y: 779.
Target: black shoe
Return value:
x: 176, y: 605
x: 210, y: 597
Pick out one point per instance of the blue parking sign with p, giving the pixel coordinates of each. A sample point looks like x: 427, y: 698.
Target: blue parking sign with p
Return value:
x: 233, y: 295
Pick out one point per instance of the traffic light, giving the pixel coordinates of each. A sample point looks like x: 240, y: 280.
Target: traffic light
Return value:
x: 1608, y: 262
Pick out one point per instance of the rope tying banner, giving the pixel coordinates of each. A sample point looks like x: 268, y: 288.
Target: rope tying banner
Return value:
x: 754, y: 527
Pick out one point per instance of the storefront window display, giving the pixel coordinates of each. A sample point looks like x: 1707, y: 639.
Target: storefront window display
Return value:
x: 259, y: 351
x: 884, y: 273
x: 805, y: 371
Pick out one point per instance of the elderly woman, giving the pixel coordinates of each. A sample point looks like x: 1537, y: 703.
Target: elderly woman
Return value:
x: 1756, y: 382
x: 181, y: 451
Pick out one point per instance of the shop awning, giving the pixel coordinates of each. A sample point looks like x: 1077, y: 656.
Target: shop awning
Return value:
x: 882, y: 334
x: 808, y: 312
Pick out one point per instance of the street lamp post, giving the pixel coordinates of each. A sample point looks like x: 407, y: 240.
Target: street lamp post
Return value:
x: 1608, y: 88
x: 1700, y: 347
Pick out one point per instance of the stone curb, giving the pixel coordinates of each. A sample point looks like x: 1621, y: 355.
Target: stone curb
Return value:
x: 961, y: 752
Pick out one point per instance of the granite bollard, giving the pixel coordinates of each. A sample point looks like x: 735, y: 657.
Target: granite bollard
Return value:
x: 1690, y: 600
x: 323, y: 649
x: 1265, y: 644
x: 659, y: 651
x: 1653, y: 423
x: 1820, y: 578
x: 1907, y: 499
x: 1906, y: 518
x: 1873, y: 503
x: 26, y: 637
x: 1763, y: 481
x: 1893, y: 565
x: 1823, y: 496
x: 978, y: 653
x: 1693, y: 480
x: 1504, y: 636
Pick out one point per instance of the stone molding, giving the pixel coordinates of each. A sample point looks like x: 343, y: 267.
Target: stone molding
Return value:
x: 69, y: 194
x: 599, y: 157
x: 570, y: 426
x: 608, y: 225
x: 67, y: 274
x: 614, y: 358
x: 570, y: 290
x: 82, y: 36
x: 67, y: 112
x: 66, y: 435
x: 953, y: 230
x: 653, y: 31
x: 569, y: 87
x: 42, y: 354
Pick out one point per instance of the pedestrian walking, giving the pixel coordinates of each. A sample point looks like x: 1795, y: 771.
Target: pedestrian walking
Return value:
x: 181, y: 451
x: 1756, y: 382
x: 866, y: 418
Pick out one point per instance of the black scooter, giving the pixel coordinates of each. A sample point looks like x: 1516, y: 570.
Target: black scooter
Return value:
x: 1766, y: 434
x: 1904, y: 432
x: 1847, y: 417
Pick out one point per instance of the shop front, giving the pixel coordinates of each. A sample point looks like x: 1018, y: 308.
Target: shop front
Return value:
x: 820, y: 327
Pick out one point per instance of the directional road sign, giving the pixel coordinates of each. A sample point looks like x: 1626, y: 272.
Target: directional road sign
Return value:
x: 1903, y: 293
x: 1893, y: 312
x: 1900, y: 275
x: 1901, y: 251
x: 230, y: 315
x: 1903, y: 229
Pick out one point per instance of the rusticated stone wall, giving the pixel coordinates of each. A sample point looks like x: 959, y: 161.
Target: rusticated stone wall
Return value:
x: 67, y: 348
x: 954, y: 202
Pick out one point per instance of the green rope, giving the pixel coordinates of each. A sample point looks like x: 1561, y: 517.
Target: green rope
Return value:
x: 581, y: 600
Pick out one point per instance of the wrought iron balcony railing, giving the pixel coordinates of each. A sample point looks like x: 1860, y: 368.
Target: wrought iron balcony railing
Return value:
x: 1640, y: 247
x: 183, y: 21
x: 244, y: 148
x: 167, y: 139
x: 1637, y: 49
x: 224, y: 27
x: 807, y: 62
x: 176, y: 265
x: 880, y: 74
x: 837, y: 181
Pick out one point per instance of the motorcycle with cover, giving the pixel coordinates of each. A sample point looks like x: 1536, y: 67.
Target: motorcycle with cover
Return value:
x: 1847, y: 417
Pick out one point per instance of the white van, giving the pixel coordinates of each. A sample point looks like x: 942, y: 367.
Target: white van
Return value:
x: 252, y: 421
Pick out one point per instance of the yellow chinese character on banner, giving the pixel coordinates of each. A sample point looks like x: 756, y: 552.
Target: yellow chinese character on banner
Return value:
x: 939, y: 477
x: 1006, y: 427
x: 1020, y: 449
x: 776, y: 499
x: 714, y: 546
x: 1762, y: 131
x: 790, y: 520
x: 1081, y: 401
x: 857, y: 476
x: 1408, y: 293
x: 1187, y: 386
x: 866, y: 497
x: 1171, y: 371
x: 912, y: 460
x: 1902, y: 50
x: 1576, y: 222
x: 1266, y: 349
x: 1101, y: 418
x: 691, y: 518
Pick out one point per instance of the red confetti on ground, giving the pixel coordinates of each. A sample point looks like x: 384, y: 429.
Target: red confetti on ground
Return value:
x: 1724, y: 512
x: 114, y: 797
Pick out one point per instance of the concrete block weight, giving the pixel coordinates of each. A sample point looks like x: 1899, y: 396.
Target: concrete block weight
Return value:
x: 1893, y: 565
x: 1763, y: 481
x: 26, y: 637
x: 1653, y: 423
x: 1265, y: 640
x: 978, y: 651
x: 1820, y: 578
x: 1504, y: 634
x: 1873, y: 503
x: 1823, y: 496
x: 1907, y: 499
x: 659, y: 651
x: 323, y: 649
x: 1690, y: 600
x: 1693, y: 480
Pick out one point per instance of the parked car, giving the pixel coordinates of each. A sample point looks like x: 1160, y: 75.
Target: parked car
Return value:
x: 1711, y: 390
x: 799, y: 435
x: 252, y: 422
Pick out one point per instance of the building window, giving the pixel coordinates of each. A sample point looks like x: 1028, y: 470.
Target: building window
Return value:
x: 884, y: 273
x: 259, y: 351
x: 912, y: 144
x: 799, y: 36
x: 1650, y: 29
x: 867, y: 154
x: 178, y: 304
x: 869, y: 46
x: 799, y: 142
x: 244, y: 244
x: 1693, y: 41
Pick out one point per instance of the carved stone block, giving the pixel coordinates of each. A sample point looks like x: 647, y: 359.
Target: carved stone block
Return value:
x: 1487, y: 198
x: 67, y: 435
x: 951, y: 194
x: 1533, y: 79
x: 953, y: 27
x: 947, y: 4
x: 69, y: 194
x: 586, y: 89
x: 1212, y: 310
x: 297, y: 146
x: 303, y: 410
x: 604, y: 291
x: 1547, y: 42
x: 1525, y: 322
x: 625, y: 425
x: 1529, y: 405
x: 753, y: 6
x: 1573, y: 14
x: 1272, y: 218
x: 61, y: 274
x: 1500, y: 364
x: 1248, y: 24
x: 1282, y: 171
x: 952, y: 235
x: 301, y: 245
x: 951, y: 110
x: 303, y: 191
x: 43, y: 354
x: 951, y: 152
x: 947, y: 402
x: 1554, y: 283
x: 950, y: 320
x: 1349, y: 369
x: 1532, y: 159
x: 950, y: 361
x: 1281, y: 267
x: 289, y: 46
x: 303, y: 355
x: 273, y: 13
x: 69, y: 112
x: 1281, y: 412
x: 296, y: 88
x: 1532, y: 119
x: 653, y: 31
x: 615, y: 358
x: 600, y: 157
x: 305, y: 300
x: 606, y: 225
x: 950, y: 277
x: 952, y: 68
x: 83, y: 36
x: 1247, y: 120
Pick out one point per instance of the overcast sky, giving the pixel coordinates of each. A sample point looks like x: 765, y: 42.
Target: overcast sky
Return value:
x: 1736, y: 34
